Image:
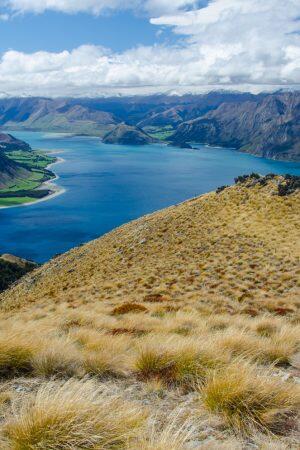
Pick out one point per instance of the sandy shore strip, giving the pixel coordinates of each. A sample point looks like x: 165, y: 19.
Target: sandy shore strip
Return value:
x: 49, y: 184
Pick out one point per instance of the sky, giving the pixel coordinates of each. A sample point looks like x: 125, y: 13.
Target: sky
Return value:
x: 127, y: 47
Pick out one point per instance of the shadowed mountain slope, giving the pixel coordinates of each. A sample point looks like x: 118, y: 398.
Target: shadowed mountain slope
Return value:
x: 12, y: 268
x: 268, y: 128
x: 9, y: 143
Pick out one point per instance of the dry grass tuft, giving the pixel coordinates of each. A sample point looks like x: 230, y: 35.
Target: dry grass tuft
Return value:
x: 104, y: 363
x: 16, y: 351
x: 70, y: 416
x: 174, y: 435
x: 56, y: 357
x: 247, y: 398
x: 174, y: 362
x: 156, y: 298
x: 266, y: 328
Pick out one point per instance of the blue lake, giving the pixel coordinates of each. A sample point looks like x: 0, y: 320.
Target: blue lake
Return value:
x: 108, y: 185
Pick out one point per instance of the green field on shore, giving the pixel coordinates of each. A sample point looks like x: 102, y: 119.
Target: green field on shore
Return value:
x: 160, y: 132
x: 23, y: 190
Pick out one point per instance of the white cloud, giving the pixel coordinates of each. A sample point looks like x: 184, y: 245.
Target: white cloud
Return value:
x: 97, y: 6
x: 229, y: 43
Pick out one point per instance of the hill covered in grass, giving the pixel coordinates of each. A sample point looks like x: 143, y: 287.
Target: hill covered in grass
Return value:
x: 183, y: 326
x: 127, y: 135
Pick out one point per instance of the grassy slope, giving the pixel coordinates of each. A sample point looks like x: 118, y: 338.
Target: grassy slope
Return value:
x: 36, y: 163
x: 192, y: 310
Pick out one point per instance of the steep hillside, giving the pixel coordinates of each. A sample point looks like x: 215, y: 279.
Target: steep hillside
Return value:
x: 10, y: 171
x: 176, y: 331
x: 127, y: 135
x: 269, y: 127
x: 9, y: 143
x: 12, y: 268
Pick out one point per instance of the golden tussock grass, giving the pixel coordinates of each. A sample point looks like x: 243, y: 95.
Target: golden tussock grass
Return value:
x: 16, y: 351
x: 74, y: 415
x: 203, y: 293
x: 56, y: 357
x: 247, y: 398
x: 174, y: 435
x: 176, y: 361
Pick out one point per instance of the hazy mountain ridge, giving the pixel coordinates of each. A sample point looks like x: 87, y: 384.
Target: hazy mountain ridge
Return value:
x: 265, y: 124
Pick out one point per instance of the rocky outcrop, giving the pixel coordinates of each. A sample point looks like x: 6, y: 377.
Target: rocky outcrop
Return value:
x: 127, y: 135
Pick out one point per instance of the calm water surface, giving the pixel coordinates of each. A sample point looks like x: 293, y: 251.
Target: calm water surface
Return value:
x: 108, y: 185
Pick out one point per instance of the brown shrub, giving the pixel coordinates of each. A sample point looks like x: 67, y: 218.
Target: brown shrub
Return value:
x: 128, y: 308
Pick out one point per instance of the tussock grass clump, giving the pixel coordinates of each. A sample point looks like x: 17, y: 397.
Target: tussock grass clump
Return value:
x: 277, y: 348
x: 281, y: 346
x: 128, y: 308
x: 175, y: 361
x: 103, y: 355
x: 247, y: 398
x: 174, y: 435
x: 16, y: 351
x: 56, y: 357
x: 239, y: 343
x: 75, y: 321
x: 104, y: 363
x: 266, y: 328
x: 72, y: 415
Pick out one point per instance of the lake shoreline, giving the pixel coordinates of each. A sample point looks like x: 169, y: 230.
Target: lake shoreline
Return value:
x: 55, y: 190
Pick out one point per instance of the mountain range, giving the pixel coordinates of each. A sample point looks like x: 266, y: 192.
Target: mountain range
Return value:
x: 265, y: 125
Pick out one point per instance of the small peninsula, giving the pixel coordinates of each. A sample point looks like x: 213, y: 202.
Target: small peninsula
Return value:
x: 22, y: 172
x: 127, y: 135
